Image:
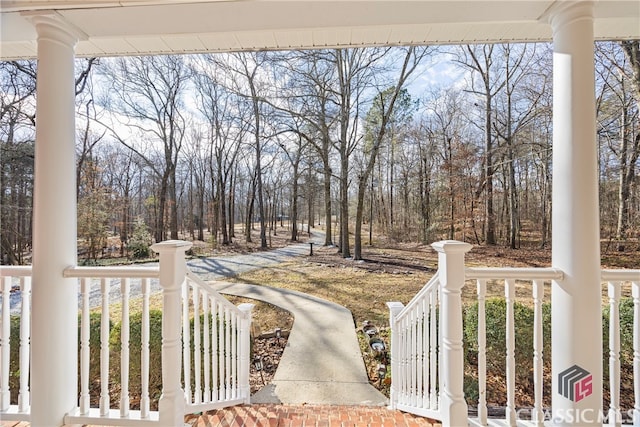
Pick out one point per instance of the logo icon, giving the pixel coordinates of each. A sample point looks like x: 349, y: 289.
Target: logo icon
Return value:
x: 575, y: 383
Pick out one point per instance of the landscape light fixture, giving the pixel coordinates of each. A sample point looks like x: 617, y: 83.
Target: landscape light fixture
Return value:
x: 278, y: 334
x: 257, y: 363
x: 382, y: 372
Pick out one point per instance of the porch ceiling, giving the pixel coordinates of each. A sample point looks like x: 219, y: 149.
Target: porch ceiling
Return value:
x: 141, y: 27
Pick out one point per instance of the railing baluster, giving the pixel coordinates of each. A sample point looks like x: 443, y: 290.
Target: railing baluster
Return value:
x: 482, y: 352
x: 538, y: 344
x: 510, y: 412
x: 635, y: 292
x: 402, y: 361
x: 425, y: 353
x: 412, y: 358
x: 433, y: 351
x: 197, y: 398
x: 145, y: 403
x: 234, y: 355
x: 186, y: 343
x: 105, y: 399
x: 221, y: 353
x: 124, y: 348
x: 207, y: 348
x: 215, y: 352
x: 227, y: 352
x: 614, y: 353
x: 419, y: 355
x: 407, y: 361
x: 244, y: 337
x: 5, y: 330
x: 85, y: 289
x: 394, y: 309
x: 25, y: 330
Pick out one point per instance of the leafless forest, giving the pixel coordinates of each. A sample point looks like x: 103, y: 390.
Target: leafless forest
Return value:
x: 413, y: 143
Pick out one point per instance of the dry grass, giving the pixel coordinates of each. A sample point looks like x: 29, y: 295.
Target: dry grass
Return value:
x: 265, y: 317
x: 363, y: 292
x: 397, y: 272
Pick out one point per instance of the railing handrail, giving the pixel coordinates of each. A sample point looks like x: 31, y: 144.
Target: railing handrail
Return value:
x: 15, y: 270
x: 434, y: 281
x: 516, y: 273
x: 208, y: 289
x: 620, y: 275
x: 115, y: 272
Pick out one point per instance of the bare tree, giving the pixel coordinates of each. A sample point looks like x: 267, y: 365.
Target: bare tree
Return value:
x: 306, y: 94
x: 147, y: 93
x: 247, y: 78
x: 227, y: 118
x: 618, y: 70
x: 518, y: 108
x: 480, y: 60
x: 17, y: 135
x: 355, y: 71
x: 388, y: 105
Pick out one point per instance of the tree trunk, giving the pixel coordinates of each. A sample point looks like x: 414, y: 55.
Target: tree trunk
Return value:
x: 294, y: 202
x: 344, y: 207
x: 328, y: 217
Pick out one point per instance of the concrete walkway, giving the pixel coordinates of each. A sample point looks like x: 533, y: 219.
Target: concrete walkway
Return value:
x: 216, y: 268
x: 322, y: 363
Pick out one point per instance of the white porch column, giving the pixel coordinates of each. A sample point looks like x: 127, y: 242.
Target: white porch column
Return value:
x: 576, y: 300
x: 453, y: 406
x: 173, y: 269
x: 54, y: 339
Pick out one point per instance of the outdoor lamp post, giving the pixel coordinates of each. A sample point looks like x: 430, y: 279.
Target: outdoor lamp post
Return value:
x: 278, y: 334
x: 257, y: 363
x: 382, y: 372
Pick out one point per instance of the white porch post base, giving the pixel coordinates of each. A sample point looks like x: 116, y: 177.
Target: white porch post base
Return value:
x: 245, y: 349
x: 395, y: 308
x: 576, y: 300
x: 453, y: 406
x: 171, y: 405
x: 54, y: 341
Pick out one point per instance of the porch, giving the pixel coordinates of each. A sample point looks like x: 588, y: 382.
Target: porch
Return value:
x: 270, y: 415
x: 55, y: 32
x: 208, y: 338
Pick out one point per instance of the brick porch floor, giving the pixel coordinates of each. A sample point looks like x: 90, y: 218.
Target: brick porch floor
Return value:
x: 308, y: 416
x: 299, y: 416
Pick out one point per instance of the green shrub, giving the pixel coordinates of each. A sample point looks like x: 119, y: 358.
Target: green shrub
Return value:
x: 140, y: 241
x: 626, y: 331
x: 14, y: 363
x: 626, y: 351
x: 135, y: 351
x: 495, y: 320
x: 95, y: 322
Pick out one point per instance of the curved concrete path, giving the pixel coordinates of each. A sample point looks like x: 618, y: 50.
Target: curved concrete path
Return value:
x: 216, y: 268
x: 322, y: 362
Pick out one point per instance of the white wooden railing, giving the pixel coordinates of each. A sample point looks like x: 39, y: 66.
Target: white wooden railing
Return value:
x: 534, y: 279
x: 414, y: 366
x: 427, y: 361
x: 202, y: 333
x: 218, y: 346
x: 20, y: 279
x: 618, y: 284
